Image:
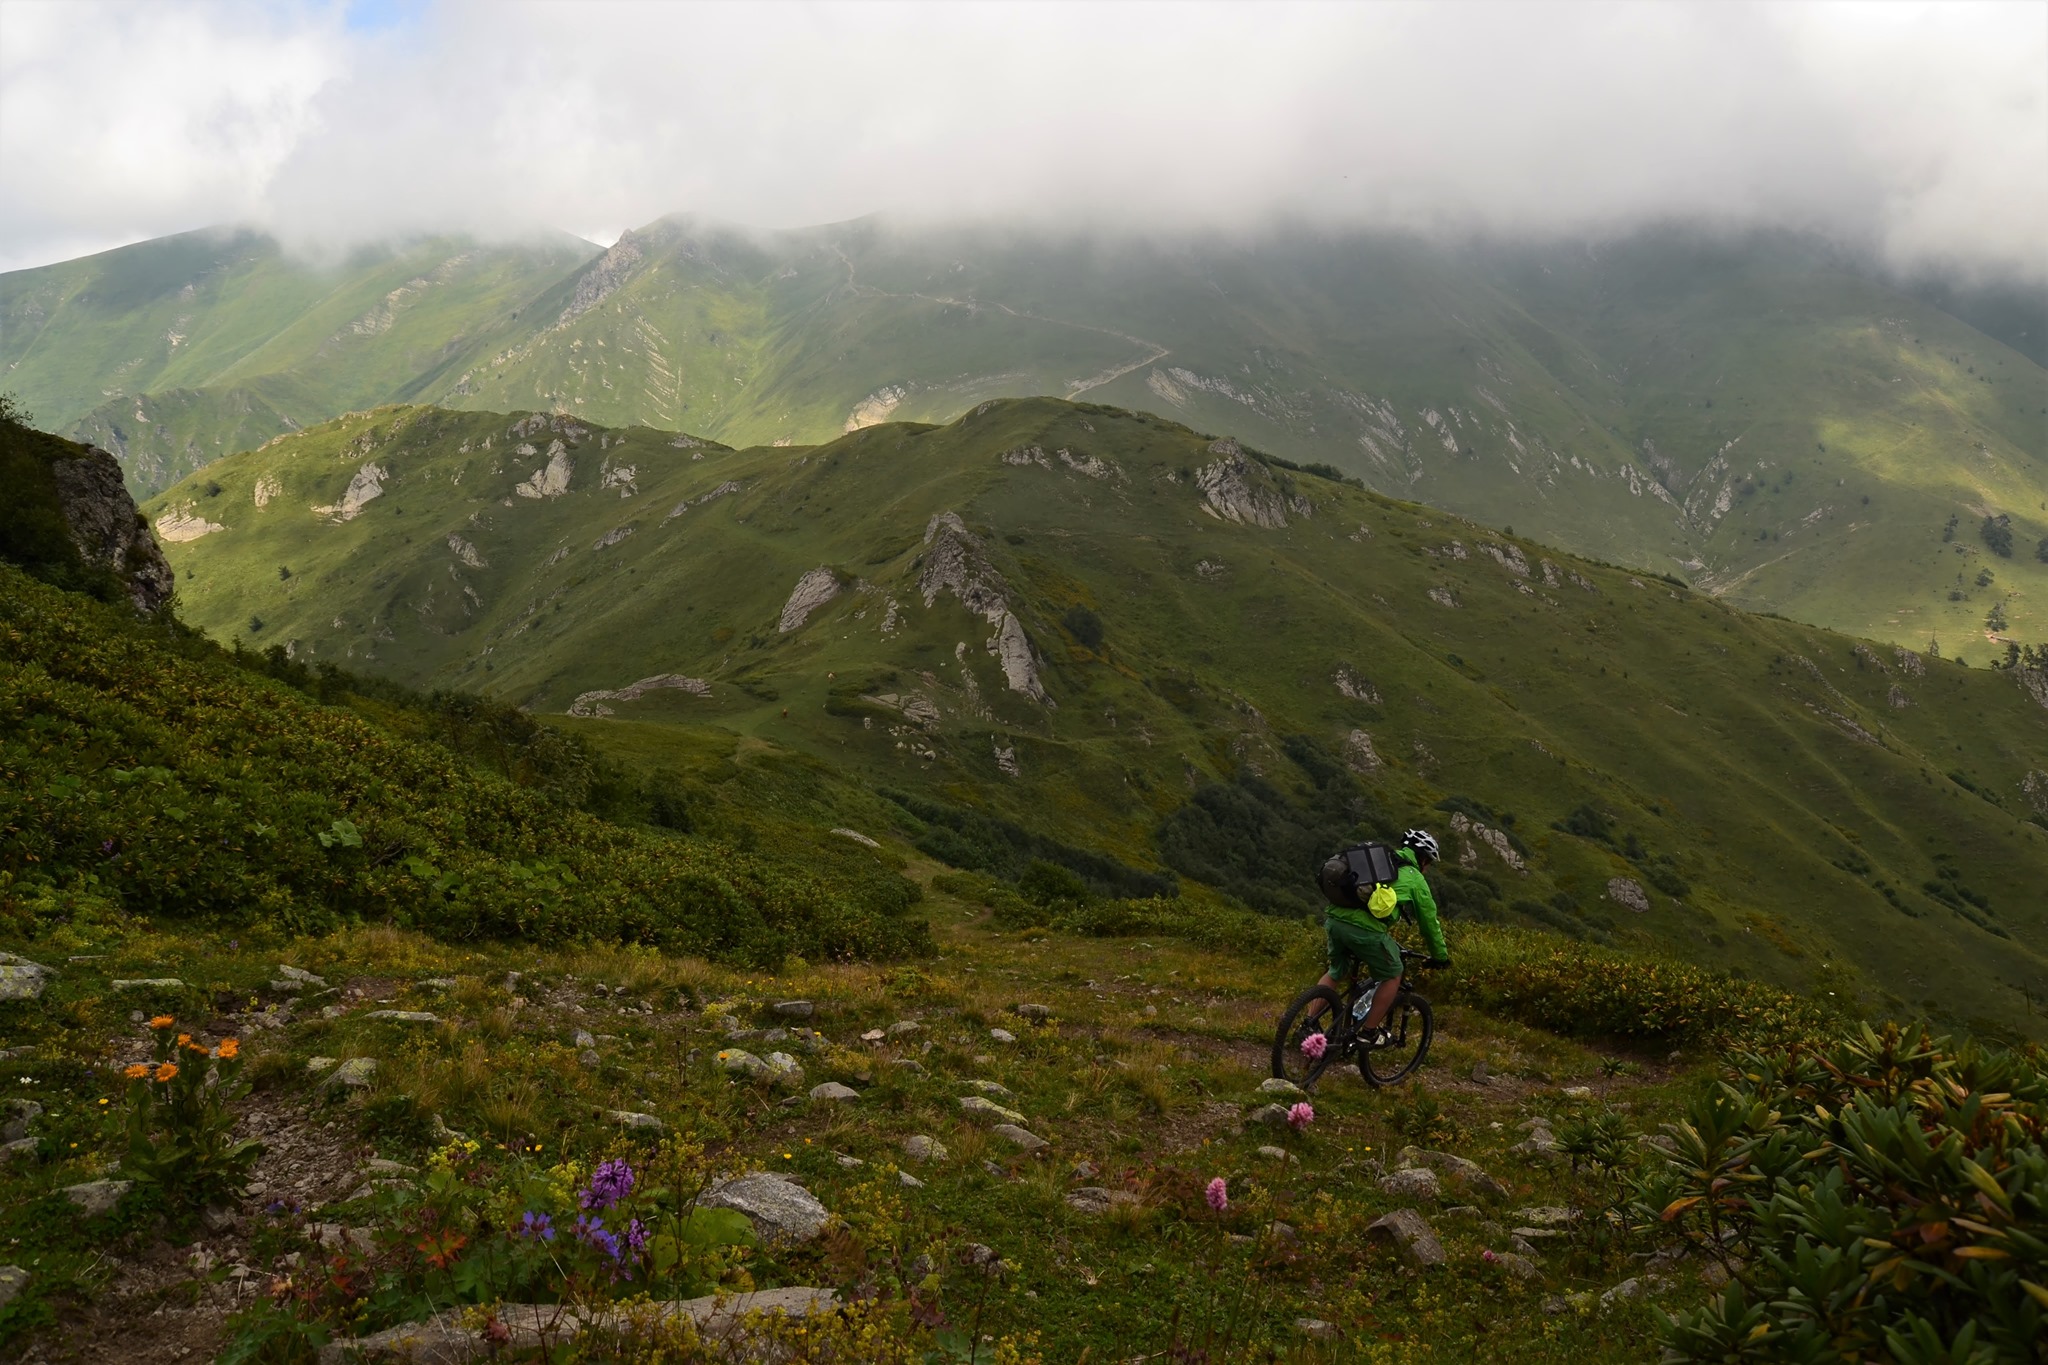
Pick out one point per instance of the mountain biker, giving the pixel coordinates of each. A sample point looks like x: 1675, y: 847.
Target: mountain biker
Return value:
x: 1355, y: 937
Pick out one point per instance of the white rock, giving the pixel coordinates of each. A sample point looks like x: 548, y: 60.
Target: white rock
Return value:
x: 922, y: 1148
x: 833, y: 1090
x: 95, y: 1197
x: 1021, y: 1137
x: 780, y: 1210
x: 355, y: 1073
x: 627, y: 1118
x: 405, y: 1016
x: 1002, y: 1035
x: 974, y: 1106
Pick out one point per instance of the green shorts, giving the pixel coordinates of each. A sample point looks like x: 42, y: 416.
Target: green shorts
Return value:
x: 1354, y: 943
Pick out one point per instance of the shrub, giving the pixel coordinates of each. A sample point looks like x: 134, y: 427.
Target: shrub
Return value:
x: 1997, y: 535
x: 170, y: 782
x: 1589, y: 991
x: 1883, y: 1196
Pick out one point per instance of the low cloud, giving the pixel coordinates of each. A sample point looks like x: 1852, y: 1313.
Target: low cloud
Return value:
x: 1920, y: 131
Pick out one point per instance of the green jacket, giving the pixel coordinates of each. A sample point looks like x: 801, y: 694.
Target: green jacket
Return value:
x: 1413, y: 896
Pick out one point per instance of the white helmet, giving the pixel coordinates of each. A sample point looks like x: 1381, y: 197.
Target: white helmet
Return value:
x: 1423, y: 843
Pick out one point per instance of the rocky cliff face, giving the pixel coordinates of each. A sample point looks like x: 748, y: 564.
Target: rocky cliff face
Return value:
x: 107, y: 529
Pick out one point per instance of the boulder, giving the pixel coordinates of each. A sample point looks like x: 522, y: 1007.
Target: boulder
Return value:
x: 21, y: 979
x: 1271, y: 1116
x: 1280, y: 1085
x: 920, y: 1147
x: 909, y: 1181
x: 780, y: 1210
x: 833, y: 1090
x: 96, y: 1197
x: 902, y: 1027
x: 1020, y: 1137
x: 405, y: 1016
x: 1415, y: 1182
x: 1093, y: 1199
x: 13, y: 1279
x: 1036, y: 1012
x: 1410, y: 1232
x: 19, y: 1149
x: 1278, y: 1154
x: 456, y: 1337
x: 1315, y: 1329
x: 741, y: 1062
x: 1547, y: 1216
x: 354, y: 1074
x: 299, y: 977
x: 149, y: 983
x: 1519, y: 1266
x: 627, y: 1118
x: 1002, y: 1035
x: 20, y: 1114
x: 795, y: 1009
x: 784, y: 1070
x: 996, y: 1088
x: 974, y: 1106
x: 1465, y: 1174
x: 584, y: 1039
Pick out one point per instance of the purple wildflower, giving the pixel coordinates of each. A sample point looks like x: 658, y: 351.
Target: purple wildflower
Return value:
x: 636, y: 1236
x: 538, y: 1226
x: 593, y: 1231
x: 612, y: 1182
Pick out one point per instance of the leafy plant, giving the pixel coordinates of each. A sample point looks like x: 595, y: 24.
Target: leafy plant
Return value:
x: 1882, y: 1196
x: 180, y: 1122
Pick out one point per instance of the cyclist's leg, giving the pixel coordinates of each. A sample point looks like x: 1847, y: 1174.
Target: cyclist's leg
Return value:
x: 1343, y: 960
x: 1382, y: 956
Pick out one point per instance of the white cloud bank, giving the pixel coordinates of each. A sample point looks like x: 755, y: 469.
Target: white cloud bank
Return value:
x: 1917, y: 130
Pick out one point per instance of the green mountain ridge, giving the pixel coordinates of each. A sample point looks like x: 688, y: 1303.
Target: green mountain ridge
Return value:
x: 1758, y: 415
x: 1150, y: 645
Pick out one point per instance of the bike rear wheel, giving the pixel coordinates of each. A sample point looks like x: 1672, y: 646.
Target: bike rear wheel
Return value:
x: 1413, y: 1027
x: 1316, y: 1012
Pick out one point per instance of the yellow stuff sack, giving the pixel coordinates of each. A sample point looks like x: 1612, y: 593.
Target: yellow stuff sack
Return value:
x: 1382, y: 902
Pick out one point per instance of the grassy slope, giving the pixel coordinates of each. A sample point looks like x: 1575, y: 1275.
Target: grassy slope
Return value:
x: 1719, y: 739
x: 177, y: 351
x: 1571, y: 386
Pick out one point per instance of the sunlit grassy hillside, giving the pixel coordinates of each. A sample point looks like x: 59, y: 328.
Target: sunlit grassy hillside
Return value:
x: 1151, y: 649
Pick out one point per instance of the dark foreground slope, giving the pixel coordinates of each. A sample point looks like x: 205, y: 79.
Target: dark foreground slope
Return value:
x: 1172, y: 654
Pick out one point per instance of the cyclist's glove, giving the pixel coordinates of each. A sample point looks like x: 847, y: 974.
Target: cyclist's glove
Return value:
x: 1442, y: 964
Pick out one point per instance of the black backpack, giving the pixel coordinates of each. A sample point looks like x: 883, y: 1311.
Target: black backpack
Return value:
x: 1350, y: 875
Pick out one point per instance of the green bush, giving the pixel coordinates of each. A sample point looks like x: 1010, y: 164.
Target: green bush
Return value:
x: 1589, y: 991
x: 171, y: 782
x: 1882, y: 1197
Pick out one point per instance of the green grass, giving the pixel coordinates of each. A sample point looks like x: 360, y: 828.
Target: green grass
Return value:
x: 1792, y: 785
x: 1601, y: 401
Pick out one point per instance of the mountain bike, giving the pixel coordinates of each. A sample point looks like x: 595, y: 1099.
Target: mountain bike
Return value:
x: 1320, y: 1012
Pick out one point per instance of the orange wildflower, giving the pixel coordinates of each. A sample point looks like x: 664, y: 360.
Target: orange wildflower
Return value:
x: 184, y: 1040
x: 166, y: 1071
x: 136, y: 1072
x: 229, y: 1047
x: 162, y: 1021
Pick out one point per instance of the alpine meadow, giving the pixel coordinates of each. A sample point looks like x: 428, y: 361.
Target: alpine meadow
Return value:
x: 1308, y: 684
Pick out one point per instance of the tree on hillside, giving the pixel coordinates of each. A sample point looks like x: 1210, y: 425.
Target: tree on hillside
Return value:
x: 2041, y: 550
x: 1997, y: 533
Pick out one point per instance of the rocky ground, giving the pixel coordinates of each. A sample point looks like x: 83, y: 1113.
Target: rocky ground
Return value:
x: 1047, y: 1109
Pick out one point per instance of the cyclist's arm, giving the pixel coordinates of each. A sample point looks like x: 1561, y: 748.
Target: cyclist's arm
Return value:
x: 1425, y: 915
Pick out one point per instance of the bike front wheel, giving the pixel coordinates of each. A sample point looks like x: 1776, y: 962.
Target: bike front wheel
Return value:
x: 1317, y: 1012
x: 1412, y: 1029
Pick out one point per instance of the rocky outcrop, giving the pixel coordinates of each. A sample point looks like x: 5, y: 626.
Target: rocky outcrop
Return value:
x: 603, y: 278
x: 1232, y: 492
x: 1474, y: 832
x: 955, y: 563
x: 364, y: 488
x: 1628, y: 893
x: 179, y: 525
x: 592, y: 703
x: 812, y: 591
x: 553, y: 480
x: 105, y: 527
x: 874, y: 409
x: 1359, y: 755
x: 465, y: 551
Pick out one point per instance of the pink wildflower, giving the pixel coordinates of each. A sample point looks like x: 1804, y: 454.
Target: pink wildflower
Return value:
x: 1314, y: 1046
x: 1218, y: 1195
x: 1489, y: 1257
x: 1301, y: 1115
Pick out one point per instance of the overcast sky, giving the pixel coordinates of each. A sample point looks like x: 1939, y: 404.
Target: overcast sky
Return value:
x: 1918, y: 129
